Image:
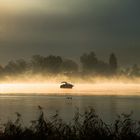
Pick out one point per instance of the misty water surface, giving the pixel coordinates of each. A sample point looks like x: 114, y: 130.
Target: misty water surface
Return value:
x: 107, y: 107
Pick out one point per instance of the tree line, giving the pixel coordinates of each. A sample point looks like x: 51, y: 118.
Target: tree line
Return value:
x: 89, y: 64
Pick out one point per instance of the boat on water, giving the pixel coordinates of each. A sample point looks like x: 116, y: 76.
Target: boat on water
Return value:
x: 66, y: 85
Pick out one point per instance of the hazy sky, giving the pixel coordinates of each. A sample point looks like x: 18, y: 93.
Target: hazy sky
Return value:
x: 69, y: 28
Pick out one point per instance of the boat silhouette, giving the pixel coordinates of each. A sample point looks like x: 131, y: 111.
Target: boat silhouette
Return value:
x: 66, y: 85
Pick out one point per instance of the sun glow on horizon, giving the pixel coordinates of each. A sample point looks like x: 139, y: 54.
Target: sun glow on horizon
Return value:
x: 79, y: 89
x: 50, y: 85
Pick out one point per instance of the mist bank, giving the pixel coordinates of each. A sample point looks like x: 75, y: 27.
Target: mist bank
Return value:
x: 77, y: 79
x: 29, y: 84
x: 54, y: 69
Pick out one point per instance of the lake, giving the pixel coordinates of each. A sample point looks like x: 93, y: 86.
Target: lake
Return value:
x: 108, y: 99
x: 106, y: 106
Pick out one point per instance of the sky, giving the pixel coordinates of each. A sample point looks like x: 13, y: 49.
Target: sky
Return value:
x: 69, y: 28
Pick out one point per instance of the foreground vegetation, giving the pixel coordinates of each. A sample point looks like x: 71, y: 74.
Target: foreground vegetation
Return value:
x: 84, y: 126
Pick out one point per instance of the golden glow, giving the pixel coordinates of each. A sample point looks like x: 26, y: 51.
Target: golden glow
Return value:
x: 38, y: 84
x: 79, y: 89
x: 30, y: 88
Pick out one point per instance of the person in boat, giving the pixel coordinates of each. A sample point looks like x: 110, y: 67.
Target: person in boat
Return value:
x: 66, y: 85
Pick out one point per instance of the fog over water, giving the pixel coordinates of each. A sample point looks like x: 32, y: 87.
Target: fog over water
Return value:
x: 88, y: 86
x: 79, y: 89
x: 109, y: 97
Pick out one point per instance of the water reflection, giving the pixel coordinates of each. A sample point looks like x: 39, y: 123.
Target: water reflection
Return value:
x: 107, y: 107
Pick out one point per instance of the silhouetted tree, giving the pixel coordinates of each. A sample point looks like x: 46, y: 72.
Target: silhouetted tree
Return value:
x: 37, y: 63
x: 89, y: 61
x: 102, y: 68
x: 16, y: 67
x: 53, y: 63
x: 113, y: 63
x: 49, y: 64
x: 69, y: 66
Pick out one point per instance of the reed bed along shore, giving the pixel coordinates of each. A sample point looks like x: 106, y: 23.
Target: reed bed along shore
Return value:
x: 86, y: 126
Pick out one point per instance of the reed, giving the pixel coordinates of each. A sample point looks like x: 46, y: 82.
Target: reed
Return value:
x: 86, y: 126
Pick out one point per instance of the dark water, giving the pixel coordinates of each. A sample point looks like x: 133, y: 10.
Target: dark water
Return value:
x: 107, y: 107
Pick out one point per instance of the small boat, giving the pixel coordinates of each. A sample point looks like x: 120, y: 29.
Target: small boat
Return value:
x: 66, y: 85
